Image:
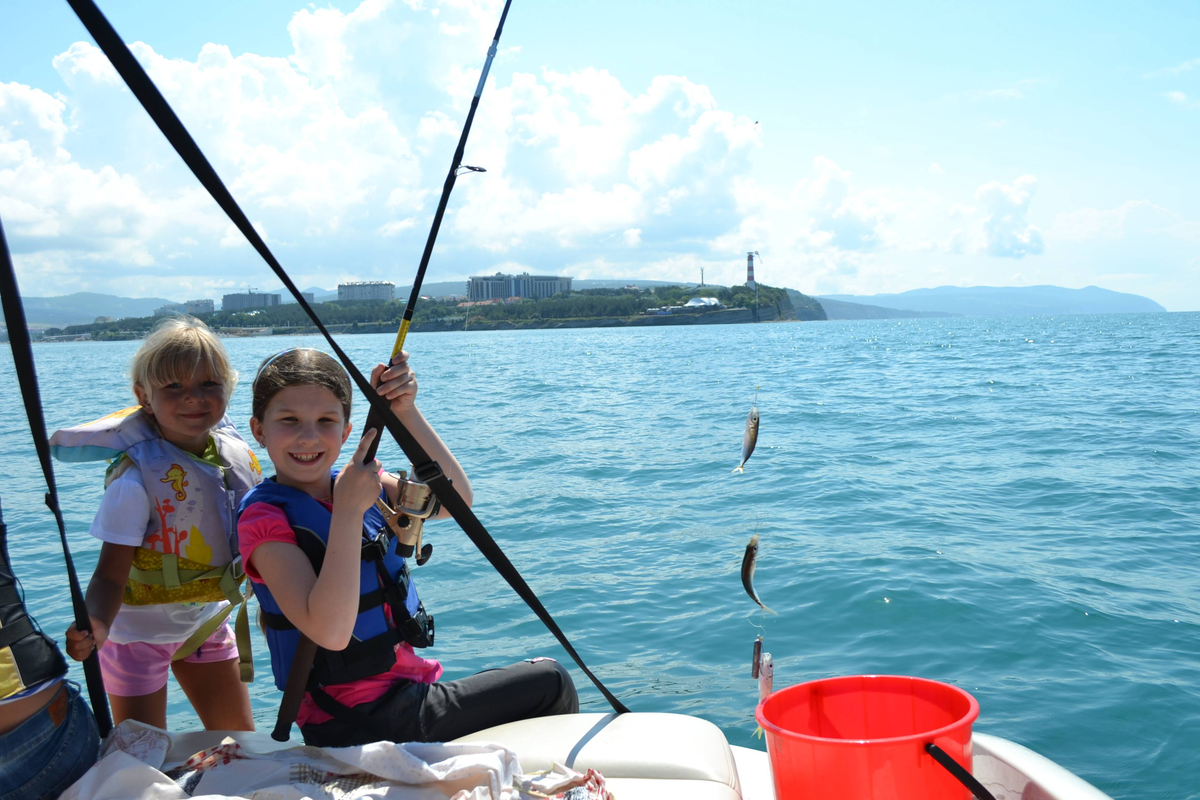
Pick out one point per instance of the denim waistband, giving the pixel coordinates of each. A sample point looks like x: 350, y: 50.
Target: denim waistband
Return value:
x: 34, y: 732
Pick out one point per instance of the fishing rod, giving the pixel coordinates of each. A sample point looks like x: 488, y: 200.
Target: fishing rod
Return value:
x: 373, y: 420
x: 427, y: 470
x: 22, y: 350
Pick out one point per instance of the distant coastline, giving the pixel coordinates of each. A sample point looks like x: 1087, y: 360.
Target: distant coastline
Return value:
x: 597, y: 304
x: 588, y: 308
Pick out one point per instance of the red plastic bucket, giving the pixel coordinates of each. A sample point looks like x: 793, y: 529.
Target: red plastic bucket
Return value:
x: 863, y: 738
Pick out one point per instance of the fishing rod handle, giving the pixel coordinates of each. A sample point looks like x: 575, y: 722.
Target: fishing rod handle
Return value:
x: 373, y: 420
x: 95, y: 685
x: 401, y: 335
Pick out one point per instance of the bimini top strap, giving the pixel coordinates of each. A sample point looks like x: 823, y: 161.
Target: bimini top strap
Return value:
x: 22, y: 350
x: 164, y: 117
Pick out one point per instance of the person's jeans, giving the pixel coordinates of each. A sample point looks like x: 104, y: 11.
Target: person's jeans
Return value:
x: 51, y: 750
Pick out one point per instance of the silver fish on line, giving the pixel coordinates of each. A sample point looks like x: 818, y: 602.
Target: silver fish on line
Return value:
x: 750, y: 438
x: 748, y: 562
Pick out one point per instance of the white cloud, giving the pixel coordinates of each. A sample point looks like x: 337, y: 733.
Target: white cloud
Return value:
x: 1014, y: 91
x: 1178, y: 69
x: 396, y: 227
x: 32, y: 115
x: 1134, y: 217
x: 1088, y: 224
x: 578, y: 158
x: 1181, y: 99
x: 234, y: 238
x: 339, y: 149
x: 67, y: 213
x: 1006, y: 233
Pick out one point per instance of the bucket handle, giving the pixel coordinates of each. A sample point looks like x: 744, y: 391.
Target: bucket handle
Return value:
x: 954, y: 768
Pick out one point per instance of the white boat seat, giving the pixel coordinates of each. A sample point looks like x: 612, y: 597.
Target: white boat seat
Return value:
x: 641, y: 755
x: 649, y: 789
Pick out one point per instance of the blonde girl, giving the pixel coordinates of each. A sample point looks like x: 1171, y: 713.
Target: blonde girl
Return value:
x: 167, y: 571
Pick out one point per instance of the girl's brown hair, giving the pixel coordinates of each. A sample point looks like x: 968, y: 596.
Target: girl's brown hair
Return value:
x: 301, y: 366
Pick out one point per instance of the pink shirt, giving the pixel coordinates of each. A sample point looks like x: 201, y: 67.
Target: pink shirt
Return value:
x: 263, y: 522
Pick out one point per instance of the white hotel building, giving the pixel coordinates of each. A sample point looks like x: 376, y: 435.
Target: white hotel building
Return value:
x: 501, y: 286
x: 367, y: 290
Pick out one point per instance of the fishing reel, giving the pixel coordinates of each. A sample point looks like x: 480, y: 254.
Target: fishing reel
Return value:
x: 414, y: 505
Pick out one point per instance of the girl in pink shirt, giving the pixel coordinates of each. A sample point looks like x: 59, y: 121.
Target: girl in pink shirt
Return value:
x: 302, y: 535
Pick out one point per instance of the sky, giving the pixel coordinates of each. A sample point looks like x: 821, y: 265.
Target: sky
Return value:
x: 860, y: 148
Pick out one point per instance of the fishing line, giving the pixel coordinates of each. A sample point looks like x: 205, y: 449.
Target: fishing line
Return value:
x: 425, y: 468
x: 452, y: 176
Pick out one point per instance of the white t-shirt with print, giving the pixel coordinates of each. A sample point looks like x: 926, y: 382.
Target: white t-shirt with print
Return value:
x: 123, y: 518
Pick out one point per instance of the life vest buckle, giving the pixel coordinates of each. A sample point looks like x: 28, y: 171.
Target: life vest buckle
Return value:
x: 375, y: 549
x: 418, y: 630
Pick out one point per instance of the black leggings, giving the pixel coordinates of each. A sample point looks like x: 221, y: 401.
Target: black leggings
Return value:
x: 439, y: 712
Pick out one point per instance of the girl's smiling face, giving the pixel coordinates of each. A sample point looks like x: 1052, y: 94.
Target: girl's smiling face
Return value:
x: 303, y: 429
x: 187, y: 409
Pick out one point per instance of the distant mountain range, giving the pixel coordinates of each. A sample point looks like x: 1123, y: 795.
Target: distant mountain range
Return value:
x: 83, y: 307
x: 838, y: 309
x: 1005, y: 301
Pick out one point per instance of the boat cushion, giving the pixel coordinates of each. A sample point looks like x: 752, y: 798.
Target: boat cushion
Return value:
x: 649, y: 789
x: 641, y: 747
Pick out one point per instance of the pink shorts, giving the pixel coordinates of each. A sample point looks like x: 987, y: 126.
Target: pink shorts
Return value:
x: 139, y: 668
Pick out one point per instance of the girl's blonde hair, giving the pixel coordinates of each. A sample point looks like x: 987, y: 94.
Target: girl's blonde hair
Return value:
x: 174, y: 350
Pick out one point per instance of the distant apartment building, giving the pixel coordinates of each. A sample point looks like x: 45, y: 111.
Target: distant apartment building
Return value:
x: 248, y: 300
x: 500, y: 286
x: 367, y: 290
x: 192, y: 307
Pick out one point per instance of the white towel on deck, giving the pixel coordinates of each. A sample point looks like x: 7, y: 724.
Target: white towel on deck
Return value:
x: 137, y: 763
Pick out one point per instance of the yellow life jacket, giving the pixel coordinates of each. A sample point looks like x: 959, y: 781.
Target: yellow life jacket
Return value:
x: 189, y: 551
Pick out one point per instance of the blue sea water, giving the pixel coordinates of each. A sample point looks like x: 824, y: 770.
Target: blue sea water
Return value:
x: 1010, y: 505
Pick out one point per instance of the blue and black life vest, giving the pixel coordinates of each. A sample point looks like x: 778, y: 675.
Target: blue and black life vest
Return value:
x: 384, y: 580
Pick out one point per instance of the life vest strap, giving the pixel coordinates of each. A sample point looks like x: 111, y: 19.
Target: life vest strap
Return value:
x: 226, y: 579
x: 9, y: 596
x: 170, y: 571
x: 14, y: 632
x: 241, y: 631
x: 360, y: 659
x: 347, y: 715
x: 366, y: 602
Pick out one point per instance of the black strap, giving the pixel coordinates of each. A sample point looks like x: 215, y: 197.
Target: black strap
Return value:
x: 160, y: 111
x: 278, y: 622
x: 347, y: 715
x: 358, y: 660
x: 958, y: 771
x: 14, y: 632
x: 9, y: 596
x: 22, y: 350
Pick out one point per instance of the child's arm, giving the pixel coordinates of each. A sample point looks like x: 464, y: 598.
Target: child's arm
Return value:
x: 105, y: 592
x: 398, y: 384
x: 324, y: 607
